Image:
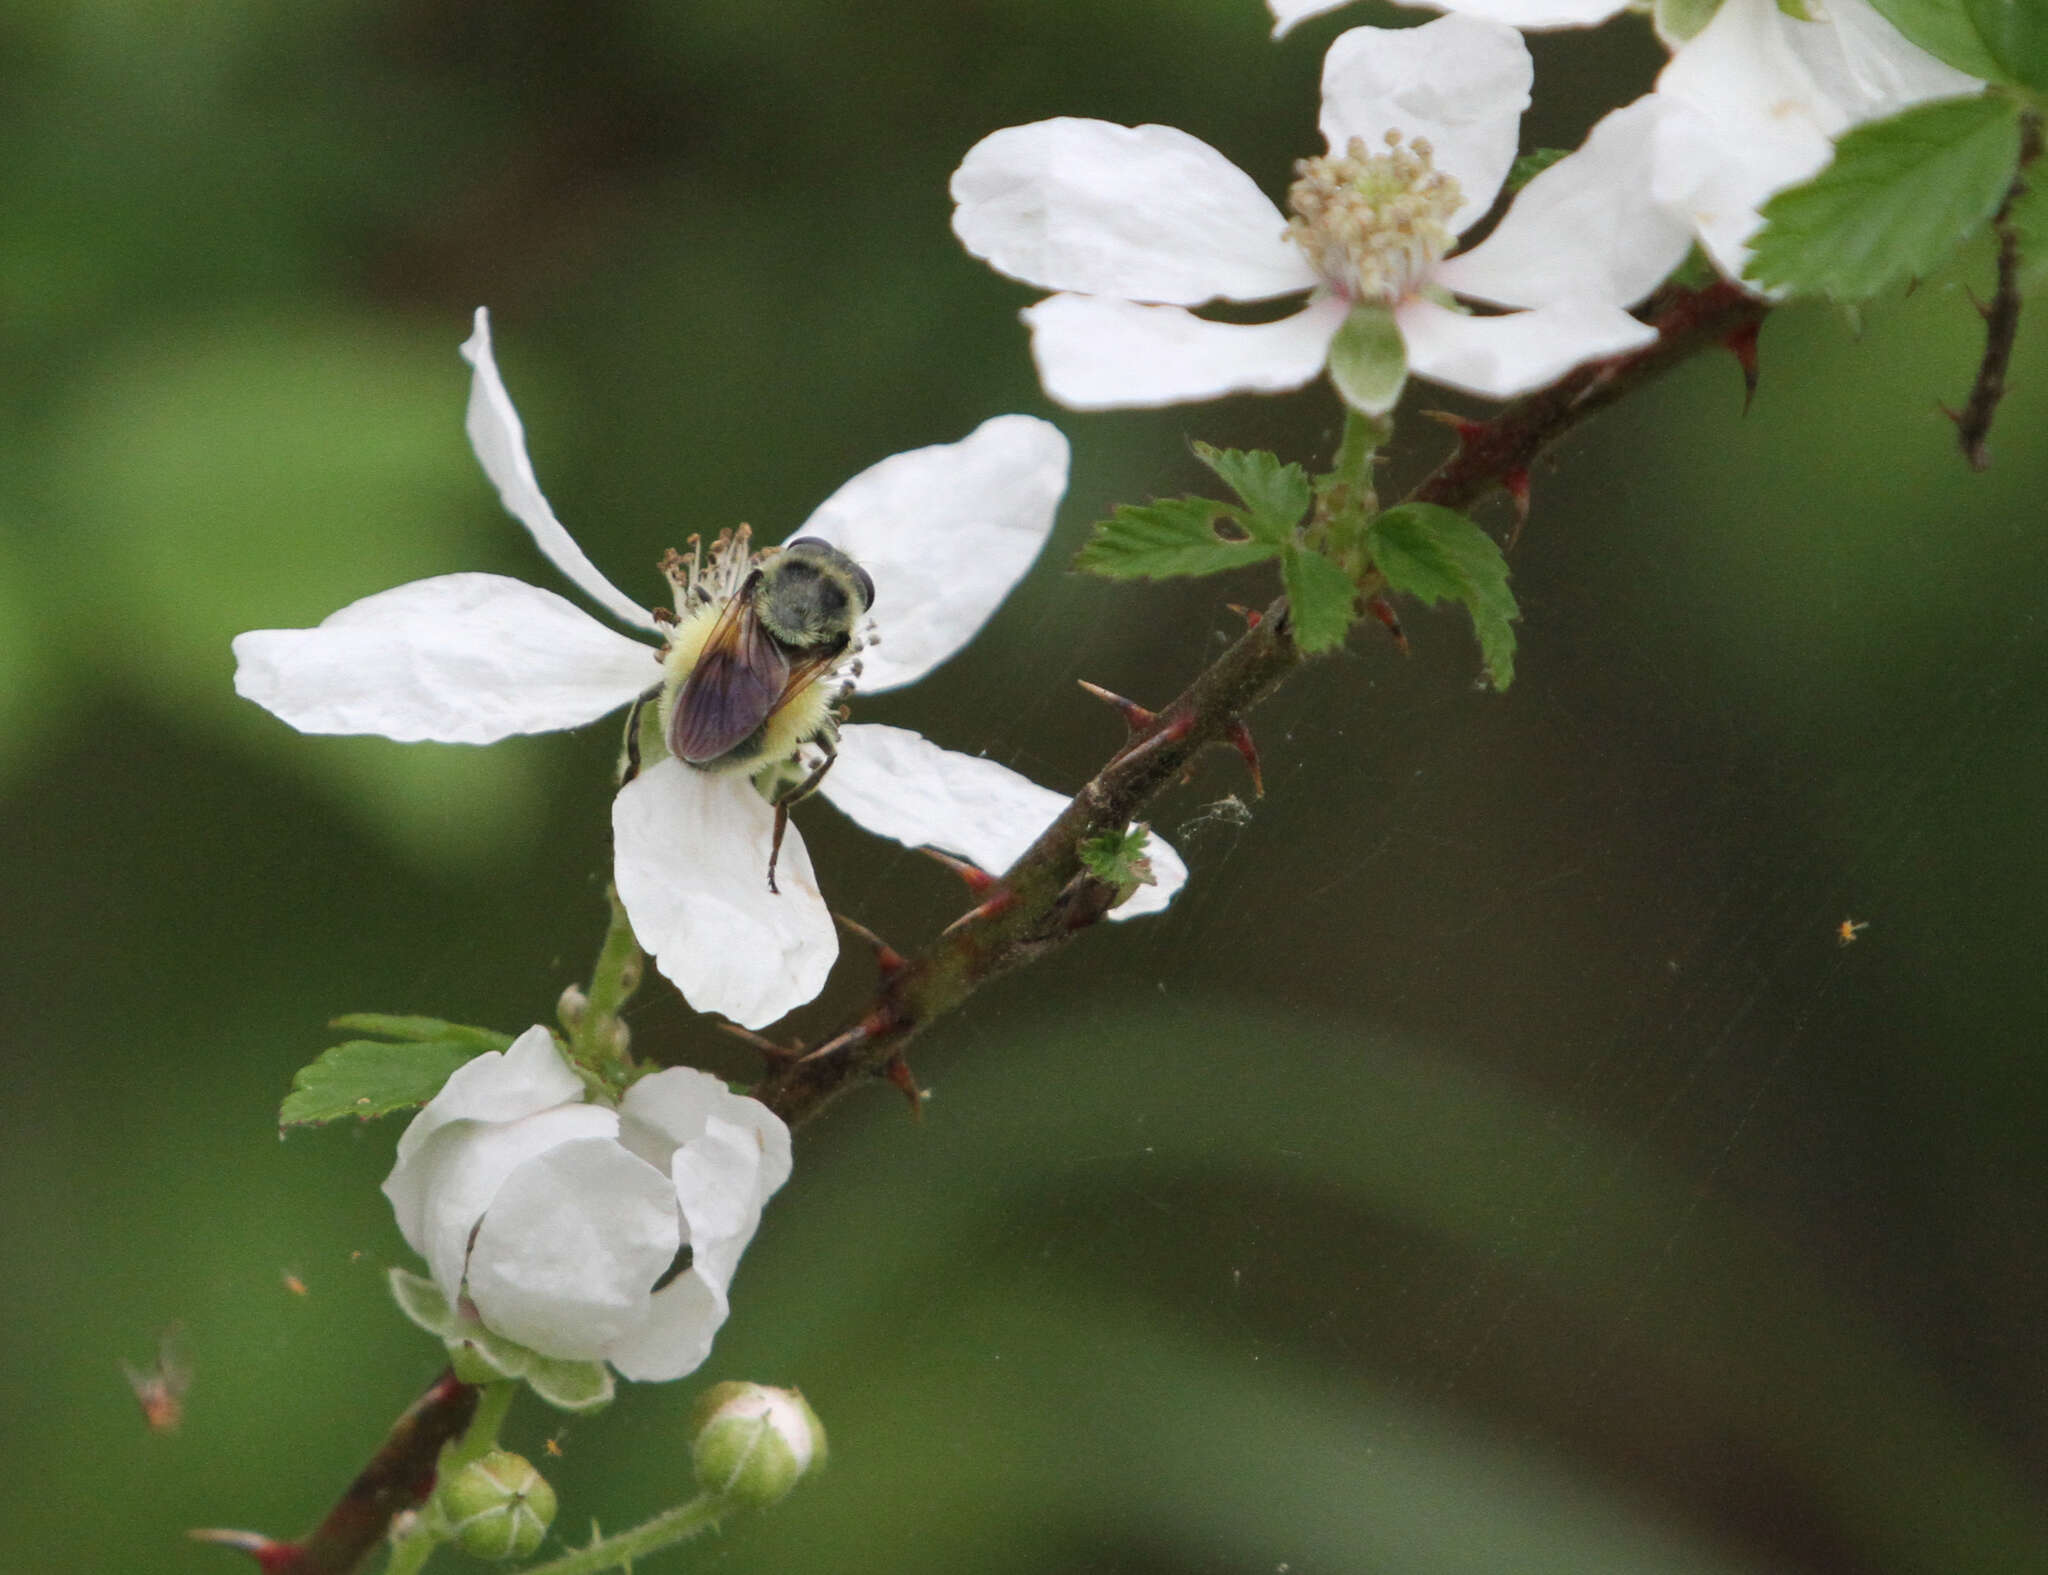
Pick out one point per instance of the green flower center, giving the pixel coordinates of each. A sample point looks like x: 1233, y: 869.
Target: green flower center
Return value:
x: 1373, y: 224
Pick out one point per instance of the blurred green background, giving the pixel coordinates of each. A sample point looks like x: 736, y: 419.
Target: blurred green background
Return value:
x: 1492, y: 1163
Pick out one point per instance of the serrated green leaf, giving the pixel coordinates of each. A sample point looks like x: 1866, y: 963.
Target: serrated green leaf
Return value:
x: 2015, y: 34
x: 1320, y: 599
x: 405, y: 1027
x: 1901, y: 195
x: 1172, y: 537
x: 2029, y: 220
x: 368, y: 1077
x: 1945, y: 29
x: 1275, y: 495
x: 1439, y: 555
x: 1529, y: 166
x: 1119, y: 858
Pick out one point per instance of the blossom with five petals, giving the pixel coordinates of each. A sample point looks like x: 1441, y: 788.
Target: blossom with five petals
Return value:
x: 1135, y: 225
x: 944, y: 532
x: 562, y: 1222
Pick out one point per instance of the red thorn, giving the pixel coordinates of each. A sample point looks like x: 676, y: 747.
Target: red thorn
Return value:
x: 853, y: 1036
x: 776, y: 1055
x: 1953, y: 414
x: 1516, y: 481
x: 1241, y: 737
x: 1252, y: 617
x: 1383, y: 610
x: 1466, y: 430
x: 1178, y: 728
x: 887, y: 958
x: 1001, y: 901
x: 1741, y: 343
x: 273, y: 1558
x: 977, y: 879
x: 1135, y: 716
x: 897, y: 1071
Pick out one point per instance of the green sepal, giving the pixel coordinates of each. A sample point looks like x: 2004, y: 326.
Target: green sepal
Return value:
x: 1369, y: 360
x: 1680, y: 21
x: 480, y: 1356
x: 1901, y: 195
x: 367, y: 1078
x: 1119, y: 858
x: 1439, y: 555
x: 1947, y: 30
x: 1321, y: 600
x: 1529, y: 166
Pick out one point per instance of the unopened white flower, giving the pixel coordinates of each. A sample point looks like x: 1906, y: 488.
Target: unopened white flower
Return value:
x: 943, y: 532
x: 1757, y: 98
x: 564, y: 1223
x: 1136, y: 224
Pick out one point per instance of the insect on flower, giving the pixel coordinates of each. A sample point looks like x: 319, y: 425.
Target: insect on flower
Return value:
x: 765, y: 648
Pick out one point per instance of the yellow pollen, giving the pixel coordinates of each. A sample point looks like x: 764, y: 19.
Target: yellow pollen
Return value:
x: 1373, y: 224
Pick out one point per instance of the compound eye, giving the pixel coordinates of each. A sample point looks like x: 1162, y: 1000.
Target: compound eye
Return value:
x: 867, y: 586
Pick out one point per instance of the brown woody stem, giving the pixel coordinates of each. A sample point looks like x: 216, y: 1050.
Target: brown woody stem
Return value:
x: 2002, y: 316
x: 1047, y: 897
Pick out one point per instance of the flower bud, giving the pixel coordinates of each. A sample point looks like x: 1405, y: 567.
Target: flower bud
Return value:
x: 754, y: 1443
x: 498, y: 1507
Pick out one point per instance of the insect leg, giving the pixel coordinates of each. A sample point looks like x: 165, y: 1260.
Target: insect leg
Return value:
x: 827, y: 742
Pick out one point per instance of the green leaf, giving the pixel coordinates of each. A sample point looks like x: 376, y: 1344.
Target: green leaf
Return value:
x: 1946, y: 30
x: 1174, y: 536
x: 1900, y: 196
x: 1275, y: 495
x: 2015, y: 34
x: 2029, y: 220
x: 1119, y: 858
x: 1369, y: 360
x: 1320, y: 599
x: 1529, y: 166
x: 1439, y: 555
x: 421, y: 1028
x: 368, y: 1077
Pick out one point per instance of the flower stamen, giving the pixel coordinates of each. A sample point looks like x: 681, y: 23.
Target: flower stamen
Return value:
x: 1374, y: 224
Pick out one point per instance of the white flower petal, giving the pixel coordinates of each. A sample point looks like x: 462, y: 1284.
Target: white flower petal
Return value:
x: 677, y: 1334
x: 945, y: 531
x: 525, y: 1078
x: 899, y: 784
x: 1147, y: 213
x: 500, y: 444
x: 1587, y: 226
x: 1458, y: 82
x: 1169, y: 874
x: 1533, y: 16
x: 458, y: 1171
x: 667, y: 1109
x: 1867, y: 66
x: 691, y: 863
x: 570, y: 1248
x: 460, y: 659
x: 1094, y: 353
x: 718, y: 1187
x: 1499, y: 357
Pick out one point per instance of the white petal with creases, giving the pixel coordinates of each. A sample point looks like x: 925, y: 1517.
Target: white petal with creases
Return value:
x: 1094, y: 353
x: 1457, y: 82
x: 945, y: 531
x: 569, y: 1250
x: 460, y: 659
x: 1147, y: 213
x: 1500, y: 357
x: 676, y: 1335
x: 691, y: 862
x: 899, y: 784
x: 1589, y: 226
x: 500, y: 443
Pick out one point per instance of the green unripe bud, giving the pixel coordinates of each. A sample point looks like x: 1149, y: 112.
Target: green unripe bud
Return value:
x: 498, y: 1507
x: 755, y: 1443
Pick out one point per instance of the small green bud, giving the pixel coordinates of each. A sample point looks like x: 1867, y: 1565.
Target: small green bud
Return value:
x: 498, y: 1507
x: 754, y: 1443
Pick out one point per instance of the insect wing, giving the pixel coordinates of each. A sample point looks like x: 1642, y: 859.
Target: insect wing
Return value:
x: 738, y: 681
